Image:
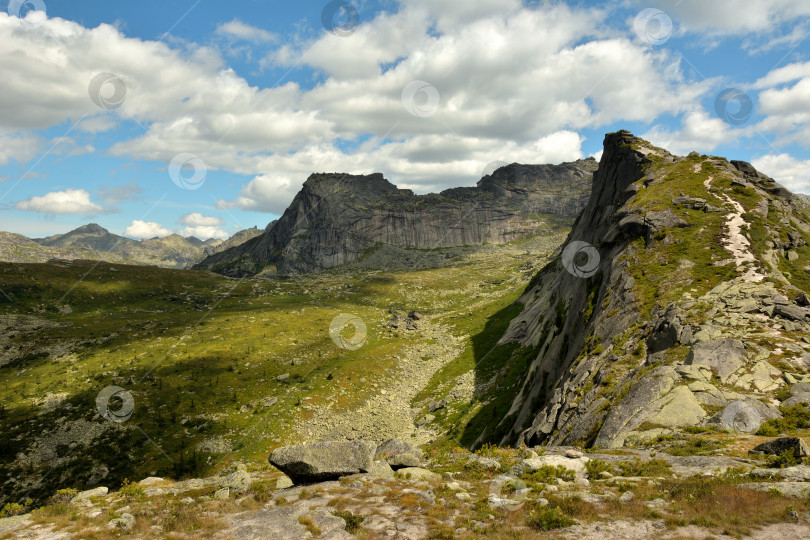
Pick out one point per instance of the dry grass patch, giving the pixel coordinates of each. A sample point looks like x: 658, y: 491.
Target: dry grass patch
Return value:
x: 722, y: 504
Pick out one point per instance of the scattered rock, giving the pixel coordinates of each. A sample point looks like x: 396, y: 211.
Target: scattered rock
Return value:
x: 418, y: 473
x: 222, y: 494
x: 125, y: 521
x: 399, y: 454
x: 656, y: 503
x: 381, y: 469
x: 237, y: 482
x: 434, y: 406
x: 84, y: 496
x: 484, y: 462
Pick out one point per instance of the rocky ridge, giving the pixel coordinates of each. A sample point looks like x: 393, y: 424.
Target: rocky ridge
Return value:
x: 676, y: 301
x: 339, y: 218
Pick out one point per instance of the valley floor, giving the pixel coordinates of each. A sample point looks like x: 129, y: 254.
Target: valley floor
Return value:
x: 221, y: 371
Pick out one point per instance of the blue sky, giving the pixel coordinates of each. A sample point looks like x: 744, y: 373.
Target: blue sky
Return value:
x: 203, y: 117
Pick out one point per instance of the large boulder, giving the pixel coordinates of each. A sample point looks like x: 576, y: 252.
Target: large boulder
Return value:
x: 782, y: 444
x: 399, y: 454
x: 326, y: 460
x: 723, y: 356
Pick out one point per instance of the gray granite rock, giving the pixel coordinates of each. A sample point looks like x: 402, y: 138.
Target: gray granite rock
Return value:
x: 327, y: 460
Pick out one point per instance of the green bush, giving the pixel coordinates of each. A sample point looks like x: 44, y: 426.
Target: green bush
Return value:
x: 793, y: 417
x: 548, y: 474
x: 63, y: 495
x: 548, y: 518
x: 595, y: 467
x: 785, y: 459
x: 15, y: 509
x: 353, y: 521
x: 130, y: 490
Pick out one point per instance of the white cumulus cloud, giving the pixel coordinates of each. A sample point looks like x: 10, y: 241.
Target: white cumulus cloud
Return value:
x: 146, y: 229
x: 792, y: 173
x: 70, y: 201
x: 196, y: 219
x: 204, y: 232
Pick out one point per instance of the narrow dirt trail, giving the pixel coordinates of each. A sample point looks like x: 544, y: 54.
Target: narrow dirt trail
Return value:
x: 735, y: 241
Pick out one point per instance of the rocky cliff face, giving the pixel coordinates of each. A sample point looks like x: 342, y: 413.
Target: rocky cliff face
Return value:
x: 679, y: 299
x: 336, y: 218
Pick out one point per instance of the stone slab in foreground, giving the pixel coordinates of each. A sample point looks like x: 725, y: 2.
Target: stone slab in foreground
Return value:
x: 327, y: 460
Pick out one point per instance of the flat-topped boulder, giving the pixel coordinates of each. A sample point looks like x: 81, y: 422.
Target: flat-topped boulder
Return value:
x: 326, y: 460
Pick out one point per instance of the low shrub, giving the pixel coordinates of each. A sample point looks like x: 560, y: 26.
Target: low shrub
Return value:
x: 794, y: 417
x: 595, y: 467
x: 637, y: 467
x: 548, y: 518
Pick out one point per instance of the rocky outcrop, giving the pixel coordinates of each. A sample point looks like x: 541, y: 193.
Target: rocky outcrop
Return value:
x: 643, y: 311
x: 337, y: 218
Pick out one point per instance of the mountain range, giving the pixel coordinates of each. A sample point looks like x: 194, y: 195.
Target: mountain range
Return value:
x: 97, y: 243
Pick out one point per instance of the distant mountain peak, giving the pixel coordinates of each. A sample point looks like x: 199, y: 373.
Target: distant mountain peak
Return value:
x: 93, y: 228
